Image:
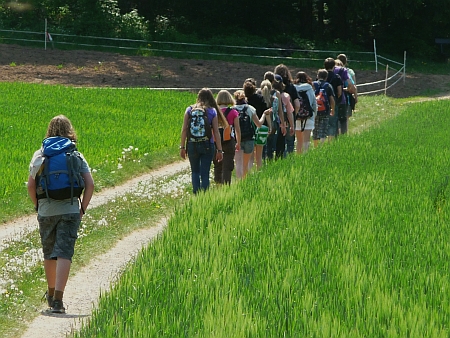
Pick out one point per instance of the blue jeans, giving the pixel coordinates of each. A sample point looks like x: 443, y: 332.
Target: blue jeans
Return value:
x: 280, y: 144
x: 270, y: 147
x: 333, y: 123
x: 344, y: 112
x: 290, y: 140
x: 200, y: 156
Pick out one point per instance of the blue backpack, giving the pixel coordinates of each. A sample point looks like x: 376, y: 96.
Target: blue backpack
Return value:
x: 199, y: 125
x: 323, y: 101
x: 60, y: 178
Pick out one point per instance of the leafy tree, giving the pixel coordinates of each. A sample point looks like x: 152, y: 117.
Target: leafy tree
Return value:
x: 410, y: 25
x: 80, y: 17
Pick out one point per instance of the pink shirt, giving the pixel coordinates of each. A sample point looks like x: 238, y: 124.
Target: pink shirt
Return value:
x: 286, y: 98
x: 230, y: 118
x: 231, y: 115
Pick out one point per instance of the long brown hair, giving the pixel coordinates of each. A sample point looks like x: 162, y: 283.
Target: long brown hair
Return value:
x: 205, y: 99
x: 61, y: 126
x: 302, y: 77
x: 278, y: 85
x: 284, y: 72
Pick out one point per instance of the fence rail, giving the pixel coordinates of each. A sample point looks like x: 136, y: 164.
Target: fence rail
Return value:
x: 225, y: 52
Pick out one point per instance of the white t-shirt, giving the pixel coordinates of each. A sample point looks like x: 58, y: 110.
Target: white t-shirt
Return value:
x: 250, y: 109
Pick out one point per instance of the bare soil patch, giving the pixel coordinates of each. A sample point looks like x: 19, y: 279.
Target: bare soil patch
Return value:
x: 99, y: 69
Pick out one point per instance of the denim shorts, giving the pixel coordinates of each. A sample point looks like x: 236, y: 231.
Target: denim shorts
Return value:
x: 58, y: 235
x: 333, y: 124
x: 248, y: 146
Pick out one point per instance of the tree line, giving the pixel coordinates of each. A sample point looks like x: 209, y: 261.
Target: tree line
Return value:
x: 400, y: 25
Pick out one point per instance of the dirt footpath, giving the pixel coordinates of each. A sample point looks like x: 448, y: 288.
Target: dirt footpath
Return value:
x: 83, y: 289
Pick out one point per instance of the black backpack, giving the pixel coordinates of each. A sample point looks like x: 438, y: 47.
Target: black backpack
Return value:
x: 305, y: 112
x: 246, y: 124
x: 60, y: 177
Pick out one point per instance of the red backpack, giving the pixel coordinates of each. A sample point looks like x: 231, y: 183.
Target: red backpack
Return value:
x: 323, y: 102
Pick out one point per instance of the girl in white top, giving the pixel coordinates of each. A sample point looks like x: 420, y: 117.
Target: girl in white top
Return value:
x: 303, y: 82
x: 244, y: 154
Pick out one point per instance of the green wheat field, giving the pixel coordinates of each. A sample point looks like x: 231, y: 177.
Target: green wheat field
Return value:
x: 348, y: 240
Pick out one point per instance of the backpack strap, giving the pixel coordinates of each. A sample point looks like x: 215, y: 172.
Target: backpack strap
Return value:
x: 303, y: 124
x: 318, y: 86
x: 227, y: 111
x: 341, y: 72
x: 45, y: 176
x: 70, y: 173
x: 251, y: 118
x: 73, y: 166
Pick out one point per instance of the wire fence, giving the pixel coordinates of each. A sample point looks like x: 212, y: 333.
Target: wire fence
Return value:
x: 306, y: 57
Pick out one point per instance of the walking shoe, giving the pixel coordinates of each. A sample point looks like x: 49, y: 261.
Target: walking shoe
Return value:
x: 48, y: 298
x: 57, y: 306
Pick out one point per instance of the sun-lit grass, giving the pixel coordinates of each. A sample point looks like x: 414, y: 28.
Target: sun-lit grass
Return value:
x: 350, y: 240
x: 346, y: 263
x: 121, y: 132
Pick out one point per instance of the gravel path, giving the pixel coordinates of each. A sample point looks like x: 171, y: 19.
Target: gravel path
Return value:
x: 83, y: 289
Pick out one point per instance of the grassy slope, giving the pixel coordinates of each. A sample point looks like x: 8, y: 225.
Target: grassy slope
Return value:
x: 32, y: 284
x: 365, y: 256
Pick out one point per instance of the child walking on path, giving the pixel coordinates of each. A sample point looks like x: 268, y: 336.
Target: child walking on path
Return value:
x: 304, y: 84
x: 200, y: 129
x: 288, y: 112
x: 321, y: 123
x: 247, y: 121
x: 231, y: 138
x: 256, y: 100
x: 59, y: 216
x: 286, y: 77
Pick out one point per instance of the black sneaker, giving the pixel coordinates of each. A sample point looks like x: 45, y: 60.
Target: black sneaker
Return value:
x: 57, y: 306
x: 48, y: 298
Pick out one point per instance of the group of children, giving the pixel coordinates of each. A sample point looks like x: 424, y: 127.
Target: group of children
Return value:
x: 257, y: 124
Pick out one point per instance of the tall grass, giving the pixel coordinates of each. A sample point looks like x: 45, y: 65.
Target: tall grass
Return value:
x: 350, y: 240
x: 121, y: 132
x: 256, y: 255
